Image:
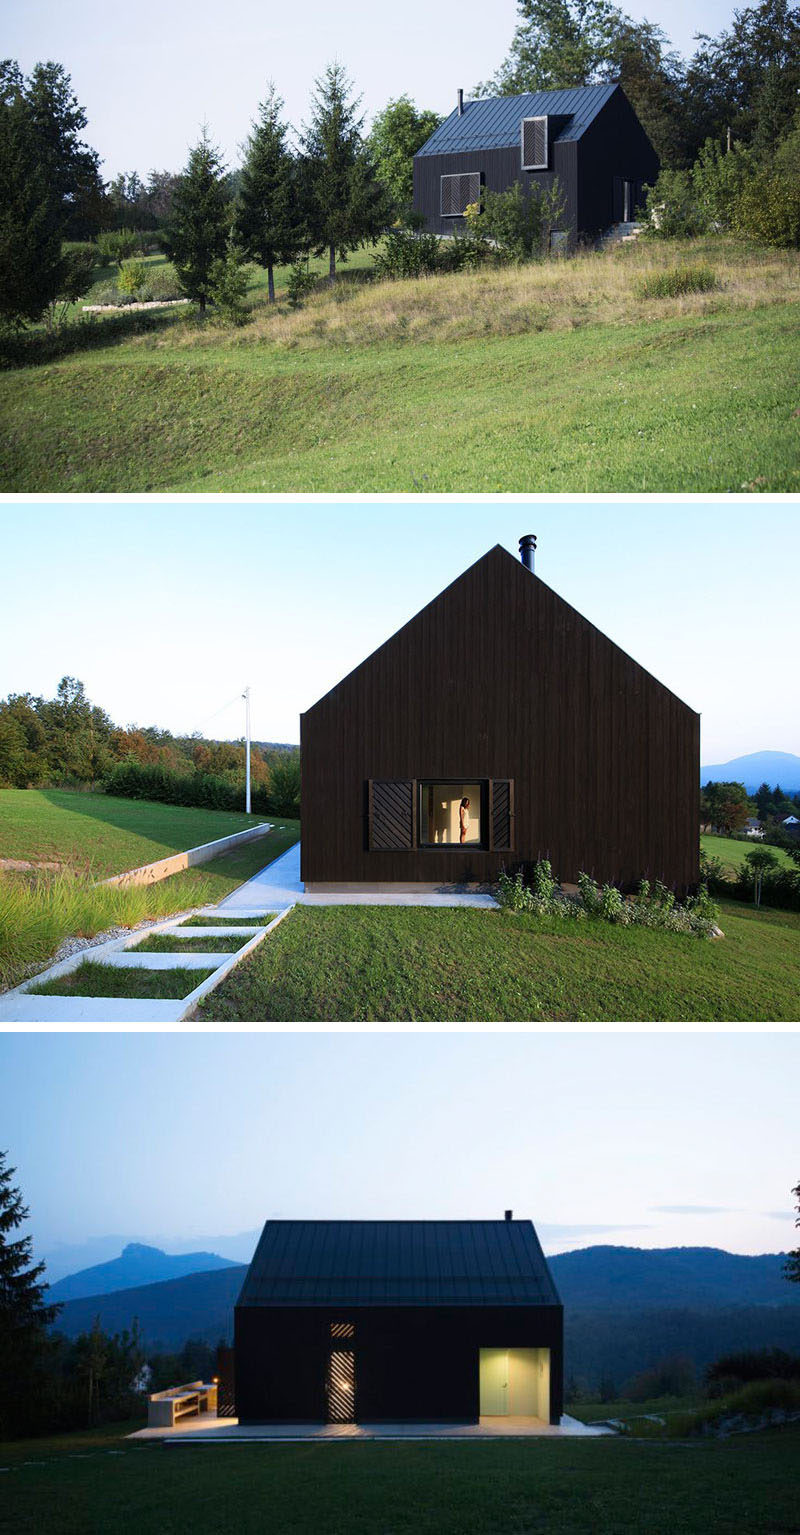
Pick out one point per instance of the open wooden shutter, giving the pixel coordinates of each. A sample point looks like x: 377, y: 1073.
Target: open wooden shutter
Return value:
x: 391, y: 814
x: 502, y: 814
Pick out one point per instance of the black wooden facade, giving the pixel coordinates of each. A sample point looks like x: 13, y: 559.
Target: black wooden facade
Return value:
x: 597, y: 150
x: 575, y: 752
x: 401, y: 1309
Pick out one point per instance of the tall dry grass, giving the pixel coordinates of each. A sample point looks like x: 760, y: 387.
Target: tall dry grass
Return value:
x: 39, y: 911
x: 590, y: 288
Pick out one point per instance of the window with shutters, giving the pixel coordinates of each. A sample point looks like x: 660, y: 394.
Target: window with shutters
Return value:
x: 406, y: 814
x: 535, y: 145
x: 458, y: 193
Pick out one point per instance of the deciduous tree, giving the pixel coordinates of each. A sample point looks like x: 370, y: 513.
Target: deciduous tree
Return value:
x: 394, y: 138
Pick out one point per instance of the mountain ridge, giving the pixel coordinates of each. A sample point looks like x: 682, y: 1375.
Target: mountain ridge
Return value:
x: 138, y: 1265
x: 755, y: 768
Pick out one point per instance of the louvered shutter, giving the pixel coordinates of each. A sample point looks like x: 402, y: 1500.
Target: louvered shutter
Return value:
x: 534, y: 144
x: 502, y: 814
x: 391, y: 814
x: 458, y: 193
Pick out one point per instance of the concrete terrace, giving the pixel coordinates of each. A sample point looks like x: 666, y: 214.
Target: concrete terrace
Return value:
x: 226, y: 1430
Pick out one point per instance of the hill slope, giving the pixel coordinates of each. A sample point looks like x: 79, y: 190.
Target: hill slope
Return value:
x: 639, y: 1279
x: 756, y: 768
x: 136, y: 1265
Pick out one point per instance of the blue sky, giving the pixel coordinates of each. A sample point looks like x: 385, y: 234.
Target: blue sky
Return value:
x: 148, y: 75
x: 597, y: 1138
x: 166, y: 611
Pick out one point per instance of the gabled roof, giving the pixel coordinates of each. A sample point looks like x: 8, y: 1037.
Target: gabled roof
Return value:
x: 399, y: 1263
x: 493, y: 122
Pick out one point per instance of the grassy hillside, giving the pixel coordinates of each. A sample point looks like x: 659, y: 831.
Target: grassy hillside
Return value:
x: 554, y: 377
x: 733, y: 853
x: 95, y: 1482
x: 103, y: 833
x: 386, y: 964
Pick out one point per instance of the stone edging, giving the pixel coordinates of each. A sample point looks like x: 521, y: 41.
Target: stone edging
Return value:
x: 149, y: 873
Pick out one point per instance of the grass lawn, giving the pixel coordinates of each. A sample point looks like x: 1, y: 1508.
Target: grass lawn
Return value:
x: 388, y: 964
x: 94, y: 980
x: 37, y: 912
x: 733, y: 853
x: 168, y: 943
x: 102, y: 833
x: 215, y: 921
x: 94, y: 1483
x: 556, y: 377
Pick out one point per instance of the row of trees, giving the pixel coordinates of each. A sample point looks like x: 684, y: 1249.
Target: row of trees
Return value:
x: 727, y: 806
x: 71, y: 742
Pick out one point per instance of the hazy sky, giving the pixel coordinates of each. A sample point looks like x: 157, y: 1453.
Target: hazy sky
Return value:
x: 167, y: 611
x: 595, y: 1138
x: 148, y: 75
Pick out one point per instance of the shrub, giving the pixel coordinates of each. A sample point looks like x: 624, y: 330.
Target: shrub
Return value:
x: 132, y: 276
x: 117, y: 245
x: 678, y: 280
x: 650, y: 907
x: 768, y: 209
x: 227, y: 285
x: 74, y: 281
x: 514, y: 225
x: 160, y: 283
x: 718, y: 178
x: 673, y: 208
x: 406, y: 253
x: 734, y: 1370
x: 300, y: 283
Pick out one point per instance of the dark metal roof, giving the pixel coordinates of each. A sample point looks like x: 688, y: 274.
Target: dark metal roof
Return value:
x: 399, y: 1263
x: 493, y: 122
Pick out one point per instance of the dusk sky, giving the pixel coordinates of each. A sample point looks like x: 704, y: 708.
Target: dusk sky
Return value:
x: 166, y: 612
x: 148, y: 77
x: 659, y: 1140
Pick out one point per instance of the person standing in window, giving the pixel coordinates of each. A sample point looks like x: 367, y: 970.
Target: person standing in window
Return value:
x: 463, y: 817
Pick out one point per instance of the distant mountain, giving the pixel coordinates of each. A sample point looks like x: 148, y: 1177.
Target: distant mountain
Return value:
x: 639, y: 1279
x: 626, y: 1308
x: 137, y: 1265
x: 755, y: 769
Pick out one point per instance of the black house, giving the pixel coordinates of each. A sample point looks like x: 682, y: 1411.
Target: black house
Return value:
x: 391, y: 1321
x: 587, y: 137
x: 496, y: 727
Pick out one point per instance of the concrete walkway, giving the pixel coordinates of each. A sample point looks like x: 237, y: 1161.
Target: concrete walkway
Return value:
x: 225, y: 1430
x: 279, y: 885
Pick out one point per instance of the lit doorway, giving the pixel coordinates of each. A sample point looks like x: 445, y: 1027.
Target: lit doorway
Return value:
x: 515, y: 1383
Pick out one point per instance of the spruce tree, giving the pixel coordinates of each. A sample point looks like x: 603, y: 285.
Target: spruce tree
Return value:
x: 347, y: 204
x: 269, y: 222
x: 201, y: 220
x: 30, y: 220
x: 24, y: 1317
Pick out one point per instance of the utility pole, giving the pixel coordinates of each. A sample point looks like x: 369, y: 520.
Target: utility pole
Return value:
x: 246, y: 697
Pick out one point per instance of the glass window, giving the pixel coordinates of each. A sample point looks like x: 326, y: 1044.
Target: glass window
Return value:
x: 450, y: 814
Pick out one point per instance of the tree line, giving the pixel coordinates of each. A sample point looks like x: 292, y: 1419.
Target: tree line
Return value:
x: 725, y: 807
x: 69, y: 742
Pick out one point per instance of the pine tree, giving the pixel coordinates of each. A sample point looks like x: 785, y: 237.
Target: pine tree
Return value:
x: 198, y: 233
x: 347, y: 202
x: 24, y: 1317
x: 269, y: 223
x: 30, y: 219
x: 792, y: 1266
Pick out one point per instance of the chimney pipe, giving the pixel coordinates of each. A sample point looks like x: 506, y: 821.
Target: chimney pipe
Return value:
x: 460, y: 102
x: 509, y: 1215
x: 527, y: 549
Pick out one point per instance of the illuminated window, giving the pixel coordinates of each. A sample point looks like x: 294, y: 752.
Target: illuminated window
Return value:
x: 342, y: 1330
x: 451, y: 814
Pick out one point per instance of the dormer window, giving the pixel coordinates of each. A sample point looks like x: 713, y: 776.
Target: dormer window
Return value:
x: 535, y: 143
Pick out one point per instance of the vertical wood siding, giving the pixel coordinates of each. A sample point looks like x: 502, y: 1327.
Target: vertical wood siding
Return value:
x: 605, y: 761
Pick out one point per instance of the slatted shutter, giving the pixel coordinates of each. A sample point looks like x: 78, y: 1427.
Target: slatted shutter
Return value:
x: 502, y: 814
x: 535, y: 146
x: 391, y: 814
x: 458, y: 193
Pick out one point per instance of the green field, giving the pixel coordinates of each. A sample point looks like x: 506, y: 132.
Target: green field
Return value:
x: 94, y: 980
x: 103, y: 834
x: 385, y: 964
x: 557, y: 377
x: 39, y: 910
x: 100, y: 1484
x: 733, y: 853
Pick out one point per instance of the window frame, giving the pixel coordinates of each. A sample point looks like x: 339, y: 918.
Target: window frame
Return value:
x: 538, y: 117
x: 450, y: 176
x: 483, y: 846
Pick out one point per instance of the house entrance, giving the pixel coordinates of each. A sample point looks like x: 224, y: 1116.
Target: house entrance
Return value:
x: 515, y: 1383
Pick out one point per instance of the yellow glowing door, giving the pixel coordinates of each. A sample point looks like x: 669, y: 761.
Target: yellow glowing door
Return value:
x: 494, y: 1382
